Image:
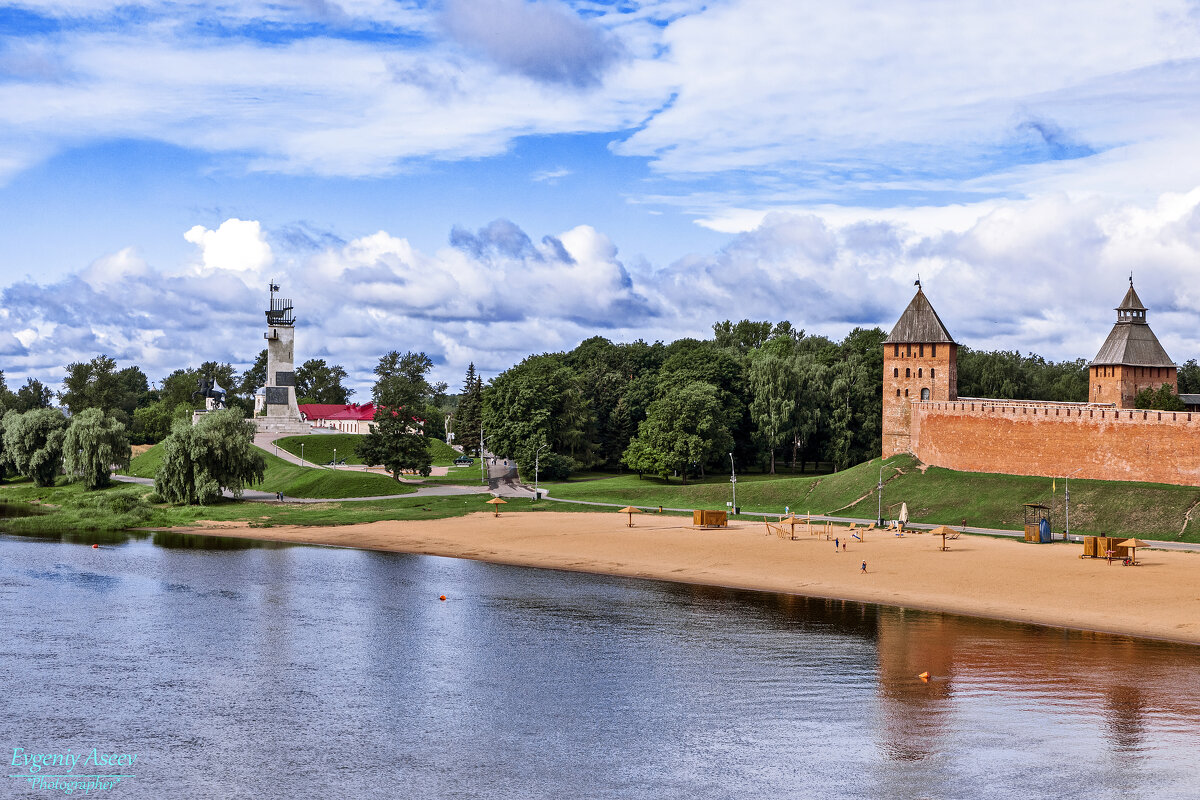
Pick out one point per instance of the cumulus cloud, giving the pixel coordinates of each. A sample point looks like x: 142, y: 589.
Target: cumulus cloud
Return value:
x: 542, y: 40
x: 237, y: 245
x: 1031, y: 275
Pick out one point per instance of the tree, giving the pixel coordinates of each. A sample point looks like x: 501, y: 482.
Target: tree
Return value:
x: 685, y: 427
x: 538, y: 401
x: 317, y: 382
x: 1189, y: 377
x: 202, y: 460
x: 95, y: 442
x: 254, y: 378
x: 774, y: 388
x: 397, y: 441
x: 1161, y: 399
x: 33, y: 395
x: 99, y: 384
x: 33, y: 443
x: 7, y: 398
x: 469, y: 415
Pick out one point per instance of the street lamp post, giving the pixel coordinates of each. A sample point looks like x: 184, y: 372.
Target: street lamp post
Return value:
x: 879, y: 495
x: 1067, y: 498
x: 535, y: 470
x: 302, y: 451
x: 733, y: 482
x: 335, y: 458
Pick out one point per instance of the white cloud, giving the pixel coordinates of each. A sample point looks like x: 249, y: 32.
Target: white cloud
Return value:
x: 1033, y: 275
x: 237, y: 245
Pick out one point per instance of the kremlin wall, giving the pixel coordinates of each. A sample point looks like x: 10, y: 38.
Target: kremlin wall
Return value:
x: 1104, y: 439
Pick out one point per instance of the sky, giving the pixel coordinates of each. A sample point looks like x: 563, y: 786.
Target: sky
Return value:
x: 482, y: 180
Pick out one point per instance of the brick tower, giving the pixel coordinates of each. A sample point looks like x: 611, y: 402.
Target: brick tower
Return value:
x: 920, y: 362
x: 1131, y: 358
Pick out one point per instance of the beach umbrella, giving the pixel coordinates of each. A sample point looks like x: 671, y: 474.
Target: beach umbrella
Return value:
x: 495, y: 503
x: 903, y: 514
x: 790, y: 520
x: 630, y: 510
x: 943, y: 531
x: 1133, y: 544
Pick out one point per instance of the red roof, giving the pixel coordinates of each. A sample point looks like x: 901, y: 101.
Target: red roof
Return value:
x: 315, y: 412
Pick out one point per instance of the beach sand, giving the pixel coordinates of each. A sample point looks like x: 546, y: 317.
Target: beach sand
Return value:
x: 979, y: 575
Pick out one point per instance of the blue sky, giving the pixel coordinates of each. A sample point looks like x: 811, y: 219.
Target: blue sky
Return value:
x: 484, y: 179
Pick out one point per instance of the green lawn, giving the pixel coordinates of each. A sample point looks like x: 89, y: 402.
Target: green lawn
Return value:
x: 297, y: 481
x: 319, y: 448
x: 934, y: 495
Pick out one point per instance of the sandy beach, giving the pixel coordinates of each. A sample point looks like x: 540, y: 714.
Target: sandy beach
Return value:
x: 979, y: 576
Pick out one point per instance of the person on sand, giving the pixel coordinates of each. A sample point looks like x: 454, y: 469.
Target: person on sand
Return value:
x: 864, y: 567
x: 843, y: 547
x: 836, y: 544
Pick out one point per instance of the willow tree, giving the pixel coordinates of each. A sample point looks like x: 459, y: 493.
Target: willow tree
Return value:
x: 202, y: 460
x: 95, y: 442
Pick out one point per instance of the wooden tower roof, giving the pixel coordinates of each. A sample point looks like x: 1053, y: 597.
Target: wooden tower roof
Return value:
x: 919, y: 324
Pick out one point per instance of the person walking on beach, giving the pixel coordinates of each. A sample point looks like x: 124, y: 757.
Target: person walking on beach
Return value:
x: 843, y: 547
x: 864, y: 567
x: 836, y: 544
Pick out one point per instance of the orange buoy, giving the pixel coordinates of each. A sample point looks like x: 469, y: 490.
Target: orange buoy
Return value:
x: 95, y: 547
x: 924, y: 676
x: 443, y: 597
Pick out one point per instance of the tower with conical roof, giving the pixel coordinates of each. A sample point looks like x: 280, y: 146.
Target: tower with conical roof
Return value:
x: 1131, y: 358
x: 920, y: 363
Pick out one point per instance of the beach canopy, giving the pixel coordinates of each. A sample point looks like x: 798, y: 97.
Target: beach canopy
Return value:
x: 903, y: 513
x: 1133, y: 543
x: 630, y: 510
x: 495, y: 503
x: 943, y: 531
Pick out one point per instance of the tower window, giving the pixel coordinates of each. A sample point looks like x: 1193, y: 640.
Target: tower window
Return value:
x: 908, y: 350
x: 919, y: 371
x: 933, y: 351
x: 921, y: 350
x: 924, y: 394
x: 897, y: 393
x: 896, y: 351
x: 931, y: 371
x: 895, y: 372
x: 907, y: 372
x: 906, y: 392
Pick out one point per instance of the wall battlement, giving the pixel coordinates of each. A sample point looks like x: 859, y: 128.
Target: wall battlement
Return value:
x: 1056, y: 439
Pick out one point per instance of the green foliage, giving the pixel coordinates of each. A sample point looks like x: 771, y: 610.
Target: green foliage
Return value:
x: 318, y: 382
x: 201, y: 460
x: 32, y: 395
x: 539, y: 401
x: 1009, y: 375
x: 152, y: 423
x: 99, y: 384
x: 1161, y: 399
x: 95, y: 442
x: 294, y: 480
x: 683, y: 430
x: 396, y: 442
x: 33, y: 443
x: 774, y: 389
x: 1189, y: 377
x: 255, y: 377
x: 468, y: 416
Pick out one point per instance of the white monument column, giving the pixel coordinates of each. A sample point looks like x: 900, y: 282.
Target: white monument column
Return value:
x: 283, y: 414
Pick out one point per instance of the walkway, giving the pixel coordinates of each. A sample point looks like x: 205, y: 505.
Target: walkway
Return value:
x: 258, y: 496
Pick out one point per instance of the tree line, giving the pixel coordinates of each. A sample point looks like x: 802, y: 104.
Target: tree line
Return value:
x: 763, y: 393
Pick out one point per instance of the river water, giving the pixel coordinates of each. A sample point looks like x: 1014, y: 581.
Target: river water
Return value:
x: 245, y: 669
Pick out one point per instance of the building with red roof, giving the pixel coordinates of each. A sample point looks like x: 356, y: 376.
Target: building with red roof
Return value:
x: 349, y: 418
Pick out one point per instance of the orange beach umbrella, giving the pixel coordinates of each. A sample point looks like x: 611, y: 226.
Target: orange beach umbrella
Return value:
x: 1134, y: 544
x: 630, y: 510
x: 495, y: 503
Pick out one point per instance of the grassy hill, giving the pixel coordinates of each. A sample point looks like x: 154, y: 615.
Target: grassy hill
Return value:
x: 296, y: 481
x: 933, y: 495
x: 319, y: 448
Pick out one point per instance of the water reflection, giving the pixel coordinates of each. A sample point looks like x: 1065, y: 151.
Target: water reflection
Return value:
x: 345, y: 672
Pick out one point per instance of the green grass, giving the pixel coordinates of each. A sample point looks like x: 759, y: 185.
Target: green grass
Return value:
x: 297, y: 481
x: 103, y: 516
x: 933, y: 495
x: 319, y: 447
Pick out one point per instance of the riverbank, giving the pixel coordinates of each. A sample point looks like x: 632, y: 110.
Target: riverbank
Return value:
x: 978, y: 576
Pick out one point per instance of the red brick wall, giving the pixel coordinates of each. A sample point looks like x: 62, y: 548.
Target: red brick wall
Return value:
x: 1121, y: 384
x: 1054, y: 440
x: 907, y: 369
